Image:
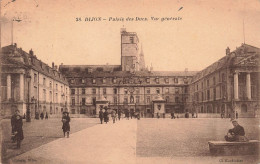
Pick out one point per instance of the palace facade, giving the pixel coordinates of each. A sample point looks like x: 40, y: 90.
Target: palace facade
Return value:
x: 28, y: 83
x: 228, y: 85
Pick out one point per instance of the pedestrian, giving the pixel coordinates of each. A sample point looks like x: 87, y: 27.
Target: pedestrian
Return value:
x: 127, y: 114
x: 17, y: 128
x: 192, y: 115
x: 105, y: 115
x: 42, y: 115
x: 119, y: 114
x: 113, y: 115
x: 236, y: 115
x: 101, y: 116
x: 13, y: 118
x: 172, y: 115
x: 46, y: 116
x: 158, y: 116
x: 163, y: 115
x: 131, y: 114
x: 66, y: 124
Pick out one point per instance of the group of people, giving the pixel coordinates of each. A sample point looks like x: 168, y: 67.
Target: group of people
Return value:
x: 104, y: 115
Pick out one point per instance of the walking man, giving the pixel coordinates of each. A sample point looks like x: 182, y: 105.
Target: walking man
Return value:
x: 17, y: 128
x: 101, y: 116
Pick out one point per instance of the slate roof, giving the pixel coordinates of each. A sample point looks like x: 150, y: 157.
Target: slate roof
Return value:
x: 230, y: 60
x: 30, y: 61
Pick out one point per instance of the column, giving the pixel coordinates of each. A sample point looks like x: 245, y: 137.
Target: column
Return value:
x: 236, y: 85
x: 21, y: 87
x: 8, y: 86
x: 248, y: 86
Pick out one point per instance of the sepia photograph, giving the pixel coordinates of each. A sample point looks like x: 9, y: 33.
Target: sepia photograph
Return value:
x: 129, y: 81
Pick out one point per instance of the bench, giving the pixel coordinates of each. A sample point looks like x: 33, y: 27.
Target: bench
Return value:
x: 234, y: 148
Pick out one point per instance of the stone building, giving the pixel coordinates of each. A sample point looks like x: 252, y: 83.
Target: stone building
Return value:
x: 28, y: 83
x: 229, y: 85
x: 135, y: 91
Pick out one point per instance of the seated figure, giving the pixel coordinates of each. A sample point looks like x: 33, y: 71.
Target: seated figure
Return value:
x: 236, y: 134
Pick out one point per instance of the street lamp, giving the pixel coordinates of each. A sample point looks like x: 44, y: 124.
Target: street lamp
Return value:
x: 28, y: 112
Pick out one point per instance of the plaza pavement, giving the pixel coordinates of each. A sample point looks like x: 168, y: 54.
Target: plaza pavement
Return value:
x: 112, y: 144
x: 106, y: 143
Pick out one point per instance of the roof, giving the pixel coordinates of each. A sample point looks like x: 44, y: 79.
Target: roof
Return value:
x: 115, y: 71
x: 29, y: 60
x: 231, y: 59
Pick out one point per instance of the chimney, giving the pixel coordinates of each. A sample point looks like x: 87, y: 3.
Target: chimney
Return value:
x: 227, y: 51
x: 52, y: 65
x: 31, y: 52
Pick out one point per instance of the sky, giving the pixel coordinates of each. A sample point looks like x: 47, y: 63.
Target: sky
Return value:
x: 200, y: 38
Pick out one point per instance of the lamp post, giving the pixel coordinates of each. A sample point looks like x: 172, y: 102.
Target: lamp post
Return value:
x: 28, y: 112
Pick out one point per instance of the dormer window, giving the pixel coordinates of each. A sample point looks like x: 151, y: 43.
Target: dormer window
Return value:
x: 157, y: 80
x: 83, y: 81
x: 72, y: 81
x: 93, y: 81
x: 176, y: 80
x: 147, y: 80
x: 167, y: 80
x: 104, y: 80
x: 114, y: 80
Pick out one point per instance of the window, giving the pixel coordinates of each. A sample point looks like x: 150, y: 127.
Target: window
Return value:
x: 207, y: 83
x: 131, y: 99
x: 177, y: 90
x: 93, y: 91
x: 83, y: 91
x: 125, y: 91
x: 176, y: 80
x: 61, y: 87
x: 104, y: 91
x: 94, y: 100
x: 44, y: 81
x: 137, y: 99
x: 125, y: 100
x: 158, y: 90
x: 44, y: 95
x: 35, y: 78
x: 115, y: 100
x: 197, y: 87
x: 83, y: 101
x: 50, y: 85
x: 202, y: 86
x: 208, y: 94
x: 167, y: 98
x: 73, y: 101
x: 131, y: 39
x: 157, y: 80
x: 167, y: 90
x: 147, y: 80
x: 56, y: 86
x: 115, y: 91
x: 72, y: 81
x: 50, y: 96
x: 214, y: 81
x: 148, y: 91
x: 73, y: 91
x: 148, y: 100
x: 93, y: 81
x: 137, y: 90
x: 166, y: 80
x: 177, y: 99
x: 56, y: 97
x: 83, y: 81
